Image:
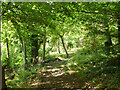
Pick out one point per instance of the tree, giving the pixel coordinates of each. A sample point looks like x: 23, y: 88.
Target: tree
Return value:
x: 44, y: 42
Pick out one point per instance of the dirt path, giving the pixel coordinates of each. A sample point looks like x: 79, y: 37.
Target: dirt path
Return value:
x: 56, y: 77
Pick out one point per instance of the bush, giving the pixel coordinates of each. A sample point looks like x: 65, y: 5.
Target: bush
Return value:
x: 81, y: 59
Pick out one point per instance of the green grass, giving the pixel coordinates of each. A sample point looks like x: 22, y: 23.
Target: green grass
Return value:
x: 98, y: 71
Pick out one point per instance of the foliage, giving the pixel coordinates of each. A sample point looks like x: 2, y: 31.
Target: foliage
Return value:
x: 36, y: 32
x: 100, y: 73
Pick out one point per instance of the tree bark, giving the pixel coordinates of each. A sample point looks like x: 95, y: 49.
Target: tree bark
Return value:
x: 64, y: 45
x: 0, y: 59
x: 8, y: 54
x: 108, y: 43
x: 34, y: 49
x: 58, y: 47
x: 3, y: 78
x: 44, y: 42
x: 108, y: 35
x: 7, y: 49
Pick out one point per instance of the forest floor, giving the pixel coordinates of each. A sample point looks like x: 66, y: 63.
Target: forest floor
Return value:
x: 65, y: 73
x: 57, y: 74
x: 52, y: 77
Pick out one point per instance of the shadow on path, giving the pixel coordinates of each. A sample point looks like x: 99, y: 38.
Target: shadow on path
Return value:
x: 57, y: 77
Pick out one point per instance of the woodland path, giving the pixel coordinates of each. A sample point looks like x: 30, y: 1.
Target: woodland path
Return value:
x: 56, y: 77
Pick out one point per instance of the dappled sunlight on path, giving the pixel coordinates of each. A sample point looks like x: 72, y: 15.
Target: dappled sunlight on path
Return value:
x: 56, y: 78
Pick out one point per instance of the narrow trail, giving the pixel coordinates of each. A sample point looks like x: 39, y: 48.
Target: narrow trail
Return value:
x: 56, y: 77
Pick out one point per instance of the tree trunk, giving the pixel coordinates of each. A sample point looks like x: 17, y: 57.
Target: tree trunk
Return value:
x: 108, y: 35
x: 3, y: 78
x: 59, y: 47
x: 108, y: 43
x: 0, y: 58
x: 1, y: 73
x: 44, y: 42
x: 8, y: 54
x: 7, y: 49
x: 34, y: 49
x: 64, y: 45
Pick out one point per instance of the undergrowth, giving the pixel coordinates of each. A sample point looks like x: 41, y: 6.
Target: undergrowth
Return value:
x: 98, y: 71
x: 23, y: 76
